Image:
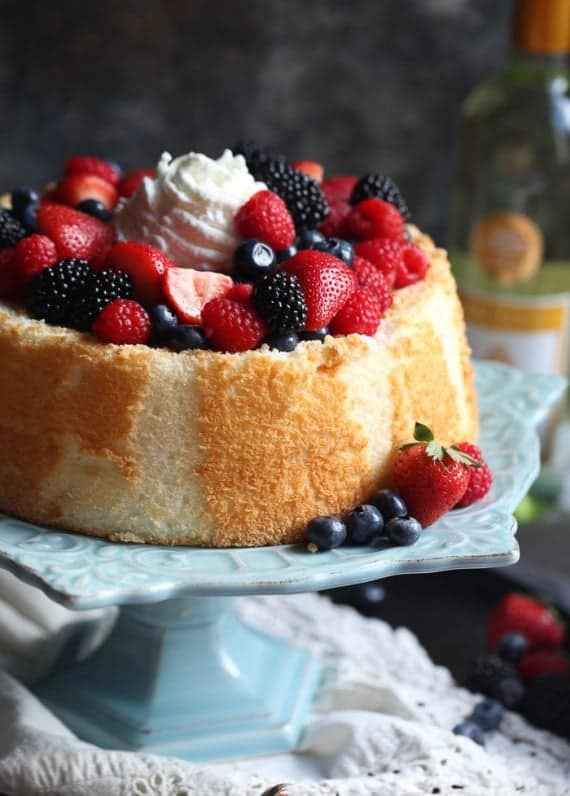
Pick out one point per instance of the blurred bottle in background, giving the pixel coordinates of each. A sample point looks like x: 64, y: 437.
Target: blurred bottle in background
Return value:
x: 510, y: 220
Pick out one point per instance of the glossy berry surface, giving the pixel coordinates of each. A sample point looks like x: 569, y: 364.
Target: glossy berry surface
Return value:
x: 146, y: 266
x: 280, y: 301
x: 54, y: 292
x: 360, y: 314
x: 163, y: 320
x: 338, y: 248
x: 380, y: 187
x: 284, y: 341
x: 11, y: 229
x: 252, y: 260
x: 374, y: 218
x: 265, y: 217
x: 480, y: 479
x: 403, y: 531
x: 95, y: 208
x: 488, y: 714
x: 185, y: 337
x: 363, y: 523
x: 32, y: 255
x: 316, y: 334
x: 512, y: 647
x: 232, y: 326
x: 22, y: 197
x: 326, y: 532
x: 309, y: 239
x: 87, y: 164
x: 526, y: 615
x: 75, y: 234
x: 128, y: 184
x: 468, y: 729
x: 285, y: 254
x: 123, y: 322
x: 390, y: 504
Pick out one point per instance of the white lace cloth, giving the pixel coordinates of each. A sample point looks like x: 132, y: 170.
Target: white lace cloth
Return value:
x: 381, y: 726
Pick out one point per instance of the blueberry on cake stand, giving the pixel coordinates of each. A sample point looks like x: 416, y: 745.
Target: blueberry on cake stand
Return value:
x: 180, y: 674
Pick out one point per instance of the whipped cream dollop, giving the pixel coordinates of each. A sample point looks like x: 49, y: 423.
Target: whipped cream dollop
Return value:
x: 188, y: 210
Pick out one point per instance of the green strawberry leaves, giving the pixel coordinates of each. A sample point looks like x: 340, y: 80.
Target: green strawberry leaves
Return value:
x: 423, y: 435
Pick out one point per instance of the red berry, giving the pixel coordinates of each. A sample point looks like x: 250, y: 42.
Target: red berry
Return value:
x: 32, y: 255
x: 480, y: 479
x: 240, y: 292
x: 146, y: 266
x: 339, y: 187
x: 327, y: 284
x: 311, y: 168
x: 360, y: 314
x: 75, y: 234
x: 369, y: 276
x: 124, y: 322
x: 265, y: 217
x: 374, y: 218
x: 526, y: 615
x: 188, y: 291
x: 543, y: 662
x: 84, y: 164
x: 76, y: 188
x: 9, y: 283
x: 232, y: 326
x: 384, y: 254
x: 414, y: 267
x: 131, y: 181
x: 334, y: 225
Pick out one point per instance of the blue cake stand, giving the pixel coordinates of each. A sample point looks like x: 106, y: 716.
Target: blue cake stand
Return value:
x: 180, y: 674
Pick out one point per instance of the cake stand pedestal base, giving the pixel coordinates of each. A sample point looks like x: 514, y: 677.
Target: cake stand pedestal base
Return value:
x: 185, y: 677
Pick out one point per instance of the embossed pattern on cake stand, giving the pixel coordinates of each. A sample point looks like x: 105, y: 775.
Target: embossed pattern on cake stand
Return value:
x: 180, y: 674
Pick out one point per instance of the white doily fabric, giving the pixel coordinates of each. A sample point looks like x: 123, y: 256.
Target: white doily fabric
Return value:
x: 381, y: 726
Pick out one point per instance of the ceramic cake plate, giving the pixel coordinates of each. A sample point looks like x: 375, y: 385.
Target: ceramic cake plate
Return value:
x: 180, y: 674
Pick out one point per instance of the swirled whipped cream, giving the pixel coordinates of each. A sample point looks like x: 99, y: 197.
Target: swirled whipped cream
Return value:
x: 188, y: 210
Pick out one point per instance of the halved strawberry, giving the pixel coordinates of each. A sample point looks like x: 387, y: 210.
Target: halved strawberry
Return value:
x: 311, y: 168
x: 76, y: 187
x: 146, y: 266
x: 75, y: 234
x: 86, y: 164
x: 131, y: 181
x: 188, y: 291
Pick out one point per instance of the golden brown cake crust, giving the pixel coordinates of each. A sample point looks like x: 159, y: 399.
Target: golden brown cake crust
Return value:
x: 145, y: 445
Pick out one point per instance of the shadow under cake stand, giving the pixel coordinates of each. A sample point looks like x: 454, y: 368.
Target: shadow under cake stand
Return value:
x: 180, y: 674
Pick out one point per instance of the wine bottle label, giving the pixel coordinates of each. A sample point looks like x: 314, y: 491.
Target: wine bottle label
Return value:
x: 508, y: 247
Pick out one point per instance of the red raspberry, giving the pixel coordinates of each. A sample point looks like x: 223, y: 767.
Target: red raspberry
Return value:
x: 480, y: 479
x: 123, y: 322
x: 543, y: 662
x: 334, y: 225
x: 232, y: 326
x: 131, y: 181
x: 370, y: 277
x: 84, y: 164
x: 32, y: 255
x: 361, y: 314
x: 265, y: 217
x: 414, y: 268
x: 339, y: 187
x: 384, y: 254
x: 9, y: 282
x: 240, y: 292
x: 311, y: 168
x: 374, y: 218
x: 75, y: 234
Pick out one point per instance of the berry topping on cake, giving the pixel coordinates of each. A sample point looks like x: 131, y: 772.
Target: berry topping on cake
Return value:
x: 280, y: 301
x: 335, y: 224
x: 374, y: 218
x: 107, y: 285
x: 123, y: 322
x: 86, y: 164
x: 339, y: 187
x: 25, y: 202
x: 240, y: 292
x: 414, y: 266
x: 309, y: 239
x: 188, y: 291
x: 146, y: 266
x: 527, y: 615
x: 384, y: 254
x: 252, y: 260
x: 186, y: 337
x: 54, y: 292
x: 480, y: 478
x: 376, y: 186
x: 75, y: 234
x: 265, y: 217
x: 76, y: 188
x: 338, y: 248
x: 311, y: 168
x: 128, y: 184
x: 361, y: 314
x: 370, y: 277
x: 232, y: 326
x: 327, y: 284
x: 282, y: 341
x: 32, y: 255
x: 95, y: 208
x: 11, y: 229
x: 163, y: 320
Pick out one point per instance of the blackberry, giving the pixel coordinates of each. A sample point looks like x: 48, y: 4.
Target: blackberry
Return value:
x: 53, y: 293
x: 11, y: 229
x: 107, y: 285
x: 488, y: 674
x: 302, y: 195
x: 279, y: 299
x: 379, y: 187
x: 257, y: 156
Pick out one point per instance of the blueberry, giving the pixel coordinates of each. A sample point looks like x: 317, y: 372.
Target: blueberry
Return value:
x: 308, y: 238
x: 487, y: 714
x: 163, y: 320
x: 508, y: 692
x: 470, y: 730
x: 285, y: 341
x: 512, y: 647
x: 338, y: 248
x: 22, y: 197
x: 362, y: 524
x: 390, y: 504
x: 252, y: 260
x: 95, y: 208
x: 28, y: 215
x: 326, y: 532
x: 185, y: 337
x: 403, y: 530
x: 317, y: 334
x: 285, y: 254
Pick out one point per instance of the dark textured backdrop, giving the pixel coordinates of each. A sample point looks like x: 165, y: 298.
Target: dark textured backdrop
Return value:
x: 363, y: 85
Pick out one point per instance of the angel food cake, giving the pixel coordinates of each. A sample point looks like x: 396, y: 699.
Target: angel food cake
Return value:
x: 214, y: 352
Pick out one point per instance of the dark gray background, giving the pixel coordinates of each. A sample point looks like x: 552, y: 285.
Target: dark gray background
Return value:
x: 367, y: 85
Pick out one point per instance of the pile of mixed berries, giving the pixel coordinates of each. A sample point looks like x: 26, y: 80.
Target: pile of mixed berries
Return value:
x: 315, y: 258
x: 526, y: 668
x: 430, y: 479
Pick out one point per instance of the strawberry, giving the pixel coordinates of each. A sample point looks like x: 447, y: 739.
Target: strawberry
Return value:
x: 334, y: 225
x: 543, y: 662
x: 188, y: 291
x: 526, y: 615
x: 131, y: 181
x: 123, y: 322
x: 338, y: 187
x: 146, y: 266
x: 429, y: 476
x: 384, y: 254
x: 311, y: 168
x: 375, y: 218
x: 75, y: 188
x: 240, y: 292
x: 32, y: 255
x: 9, y: 283
x: 480, y: 479
x: 360, y: 314
x: 232, y: 326
x: 414, y: 267
x: 85, y: 164
x: 327, y: 284
x: 369, y: 276
x: 75, y: 234
x: 265, y: 217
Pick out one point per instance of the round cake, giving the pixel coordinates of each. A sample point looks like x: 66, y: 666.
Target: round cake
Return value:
x: 151, y: 442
